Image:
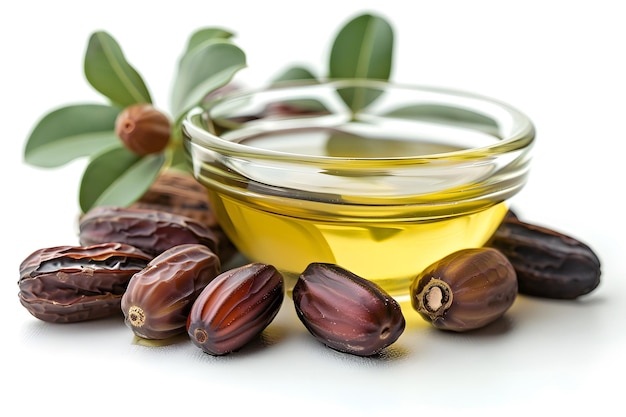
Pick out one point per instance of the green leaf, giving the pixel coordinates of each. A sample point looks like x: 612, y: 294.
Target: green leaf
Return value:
x: 118, y: 177
x: 294, y: 74
x: 445, y: 114
x: 203, y: 35
x: 71, y: 132
x: 358, y: 98
x: 209, y: 66
x: 109, y: 73
x: 363, y: 49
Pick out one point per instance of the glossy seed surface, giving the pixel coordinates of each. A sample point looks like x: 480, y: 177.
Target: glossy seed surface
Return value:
x: 235, y: 307
x: 159, y: 297
x: 548, y: 263
x: 465, y: 290
x: 152, y: 231
x: 346, y: 312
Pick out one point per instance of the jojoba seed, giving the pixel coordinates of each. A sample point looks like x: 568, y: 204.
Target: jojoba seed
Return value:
x: 180, y: 193
x: 548, y: 263
x: 235, y: 307
x: 346, y: 312
x: 465, y: 290
x: 67, y: 284
x: 143, y: 129
x: 152, y: 231
x: 159, y: 297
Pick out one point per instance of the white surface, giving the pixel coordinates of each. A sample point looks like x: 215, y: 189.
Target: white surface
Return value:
x: 560, y: 62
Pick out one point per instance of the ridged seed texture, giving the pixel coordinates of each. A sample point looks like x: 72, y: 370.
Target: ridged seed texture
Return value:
x: 159, y: 297
x: 235, y: 307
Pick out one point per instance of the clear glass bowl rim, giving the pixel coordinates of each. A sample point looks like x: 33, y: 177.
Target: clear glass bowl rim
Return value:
x: 522, y: 136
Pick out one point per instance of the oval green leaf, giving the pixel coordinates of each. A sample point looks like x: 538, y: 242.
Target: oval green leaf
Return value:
x: 363, y: 49
x: 108, y: 72
x: 296, y: 73
x: 445, y: 114
x: 118, y: 177
x: 209, y: 66
x: 203, y: 35
x: 71, y: 132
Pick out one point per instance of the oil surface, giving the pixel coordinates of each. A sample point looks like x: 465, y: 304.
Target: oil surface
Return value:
x: 345, y: 144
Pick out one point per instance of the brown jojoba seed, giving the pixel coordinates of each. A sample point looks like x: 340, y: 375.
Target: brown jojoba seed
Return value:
x: 67, y: 284
x: 152, y: 231
x: 143, y: 129
x: 235, y: 307
x: 346, y: 312
x: 548, y: 263
x: 159, y: 297
x: 180, y: 193
x: 465, y: 290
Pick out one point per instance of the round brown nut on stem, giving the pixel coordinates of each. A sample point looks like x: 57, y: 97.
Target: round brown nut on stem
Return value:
x: 465, y: 290
x: 159, y: 297
x: 143, y: 129
x: 235, y: 307
x: 346, y: 312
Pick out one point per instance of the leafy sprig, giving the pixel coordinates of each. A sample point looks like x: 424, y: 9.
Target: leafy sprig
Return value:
x: 114, y: 175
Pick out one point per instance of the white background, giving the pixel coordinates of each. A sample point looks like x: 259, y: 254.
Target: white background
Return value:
x: 561, y: 62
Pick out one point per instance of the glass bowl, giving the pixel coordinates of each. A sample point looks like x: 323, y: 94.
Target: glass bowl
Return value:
x: 379, y: 178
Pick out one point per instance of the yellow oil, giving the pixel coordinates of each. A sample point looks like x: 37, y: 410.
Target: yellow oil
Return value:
x: 377, y: 247
x: 390, y: 254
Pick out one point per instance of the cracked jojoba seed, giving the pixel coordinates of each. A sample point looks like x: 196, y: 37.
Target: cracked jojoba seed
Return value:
x: 159, y: 297
x: 548, y: 263
x: 152, y: 231
x: 346, y: 312
x: 235, y: 307
x: 465, y: 290
x: 66, y: 284
x: 143, y: 129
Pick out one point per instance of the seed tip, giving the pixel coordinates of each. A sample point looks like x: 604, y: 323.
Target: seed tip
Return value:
x: 136, y: 316
x: 435, y: 298
x: 200, y: 335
